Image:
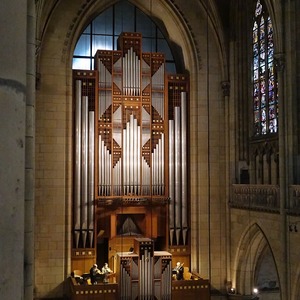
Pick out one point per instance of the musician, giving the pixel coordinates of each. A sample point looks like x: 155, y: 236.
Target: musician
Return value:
x: 94, y: 273
x: 106, y: 271
x: 78, y: 278
x: 178, y: 271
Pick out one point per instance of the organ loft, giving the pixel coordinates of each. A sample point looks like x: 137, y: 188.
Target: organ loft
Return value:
x: 131, y: 198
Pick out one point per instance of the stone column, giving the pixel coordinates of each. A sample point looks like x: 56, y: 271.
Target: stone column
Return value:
x: 225, y: 85
x: 283, y: 172
x: 30, y: 153
x: 13, y: 58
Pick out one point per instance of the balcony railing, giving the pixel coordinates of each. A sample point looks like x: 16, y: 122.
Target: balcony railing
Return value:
x: 264, y: 198
x: 255, y: 197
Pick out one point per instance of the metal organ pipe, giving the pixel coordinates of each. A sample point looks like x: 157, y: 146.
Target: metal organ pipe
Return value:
x: 117, y: 178
x: 77, y: 191
x: 131, y: 153
x: 171, y: 180
x: 131, y: 73
x: 100, y: 166
x: 166, y: 282
x: 128, y: 72
x: 177, y: 174
x: 105, y: 165
x: 145, y: 177
x: 127, y: 149
x: 138, y: 159
x: 138, y: 68
x: 84, y: 164
x: 184, y: 211
x: 104, y: 168
x: 153, y: 173
x: 125, y: 74
x: 124, y: 67
x: 146, y: 276
x: 91, y: 176
x: 162, y: 165
x: 125, y: 161
x: 158, y: 168
x: 141, y: 277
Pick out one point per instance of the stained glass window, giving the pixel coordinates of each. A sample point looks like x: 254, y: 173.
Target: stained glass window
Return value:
x: 265, y: 94
x: 104, y: 30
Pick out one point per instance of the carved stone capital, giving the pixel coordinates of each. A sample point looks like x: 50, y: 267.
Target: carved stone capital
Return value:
x: 226, y: 88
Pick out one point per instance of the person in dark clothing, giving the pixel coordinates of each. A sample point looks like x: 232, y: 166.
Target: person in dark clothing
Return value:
x: 94, y: 273
x: 78, y: 278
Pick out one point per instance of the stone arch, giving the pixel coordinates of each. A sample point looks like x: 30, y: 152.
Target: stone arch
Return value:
x: 295, y: 292
x: 252, y: 251
x: 54, y: 112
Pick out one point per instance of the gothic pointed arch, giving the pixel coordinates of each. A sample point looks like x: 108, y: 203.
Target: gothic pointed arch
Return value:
x: 255, y: 264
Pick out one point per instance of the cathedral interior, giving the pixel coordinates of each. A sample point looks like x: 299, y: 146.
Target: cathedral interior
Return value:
x: 156, y: 140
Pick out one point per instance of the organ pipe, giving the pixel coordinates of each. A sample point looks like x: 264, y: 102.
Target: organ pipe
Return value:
x: 162, y: 162
x: 127, y: 170
x: 77, y: 190
x: 153, y: 173
x: 125, y: 161
x: 157, y: 158
x: 171, y: 181
x: 131, y: 73
x: 131, y: 153
x: 177, y: 157
x: 91, y: 176
x: 138, y: 165
x: 84, y: 172
x: 184, y: 211
x: 99, y: 166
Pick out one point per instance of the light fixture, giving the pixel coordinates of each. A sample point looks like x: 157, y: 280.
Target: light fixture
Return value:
x: 255, y: 291
x: 230, y: 288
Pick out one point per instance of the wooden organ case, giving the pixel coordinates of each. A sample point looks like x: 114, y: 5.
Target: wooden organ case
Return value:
x: 130, y: 157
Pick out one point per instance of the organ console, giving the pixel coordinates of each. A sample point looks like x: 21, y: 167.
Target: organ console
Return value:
x: 143, y: 274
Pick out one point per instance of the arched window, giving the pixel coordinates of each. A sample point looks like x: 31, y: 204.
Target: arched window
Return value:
x: 265, y: 95
x: 103, y: 32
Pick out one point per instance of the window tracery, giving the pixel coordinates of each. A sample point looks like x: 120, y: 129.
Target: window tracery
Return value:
x: 265, y: 86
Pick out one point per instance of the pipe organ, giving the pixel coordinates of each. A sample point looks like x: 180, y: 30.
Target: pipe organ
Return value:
x: 130, y: 150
